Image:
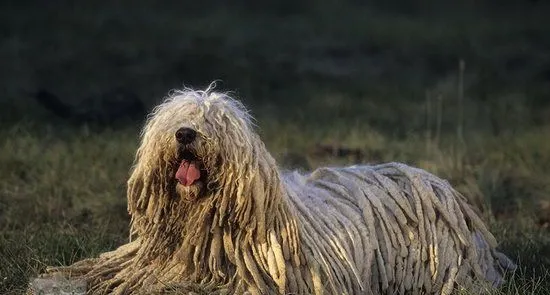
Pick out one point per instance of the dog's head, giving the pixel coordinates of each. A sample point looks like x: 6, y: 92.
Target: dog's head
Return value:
x: 197, y: 147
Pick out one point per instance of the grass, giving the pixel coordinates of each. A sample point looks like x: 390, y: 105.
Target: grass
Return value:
x: 345, y: 75
x: 63, y: 195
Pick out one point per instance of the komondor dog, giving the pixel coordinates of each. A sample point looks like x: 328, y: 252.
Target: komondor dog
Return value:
x: 213, y: 213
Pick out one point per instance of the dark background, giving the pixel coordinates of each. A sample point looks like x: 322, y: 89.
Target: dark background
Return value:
x: 274, y: 55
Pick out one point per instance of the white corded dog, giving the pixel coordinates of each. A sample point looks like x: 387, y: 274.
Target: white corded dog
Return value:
x: 212, y: 213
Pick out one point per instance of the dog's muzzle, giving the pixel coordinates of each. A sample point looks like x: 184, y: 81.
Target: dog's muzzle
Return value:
x: 189, y: 169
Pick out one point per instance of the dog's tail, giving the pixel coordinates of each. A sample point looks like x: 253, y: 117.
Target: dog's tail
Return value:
x: 52, y: 103
x: 495, y: 264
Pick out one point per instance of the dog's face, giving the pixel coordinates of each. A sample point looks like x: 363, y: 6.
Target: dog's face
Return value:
x: 205, y: 135
x: 200, y: 157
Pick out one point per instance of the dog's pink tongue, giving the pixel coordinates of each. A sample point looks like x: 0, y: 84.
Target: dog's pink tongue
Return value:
x: 187, y: 173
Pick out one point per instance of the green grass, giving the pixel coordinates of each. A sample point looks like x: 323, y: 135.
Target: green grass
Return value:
x: 329, y: 73
x: 63, y: 192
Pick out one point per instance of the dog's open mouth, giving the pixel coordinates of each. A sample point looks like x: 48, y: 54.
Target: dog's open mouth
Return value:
x: 189, y: 169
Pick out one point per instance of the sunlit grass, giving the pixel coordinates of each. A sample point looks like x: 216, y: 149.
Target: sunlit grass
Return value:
x: 63, y: 194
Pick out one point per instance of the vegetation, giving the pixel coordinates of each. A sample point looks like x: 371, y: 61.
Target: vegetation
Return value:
x: 458, y: 89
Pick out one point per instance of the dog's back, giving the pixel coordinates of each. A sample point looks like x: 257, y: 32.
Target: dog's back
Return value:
x: 393, y: 229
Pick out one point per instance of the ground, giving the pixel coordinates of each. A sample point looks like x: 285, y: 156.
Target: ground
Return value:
x: 462, y: 91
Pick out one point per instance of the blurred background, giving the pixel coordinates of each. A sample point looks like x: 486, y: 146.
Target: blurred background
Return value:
x: 460, y: 89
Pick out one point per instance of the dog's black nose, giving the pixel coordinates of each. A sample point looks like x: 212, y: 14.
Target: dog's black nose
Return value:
x: 185, y: 135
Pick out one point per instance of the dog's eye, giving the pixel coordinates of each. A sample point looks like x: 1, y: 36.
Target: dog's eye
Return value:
x: 211, y: 186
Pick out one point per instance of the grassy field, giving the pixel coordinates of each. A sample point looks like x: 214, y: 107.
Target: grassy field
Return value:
x: 329, y: 84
